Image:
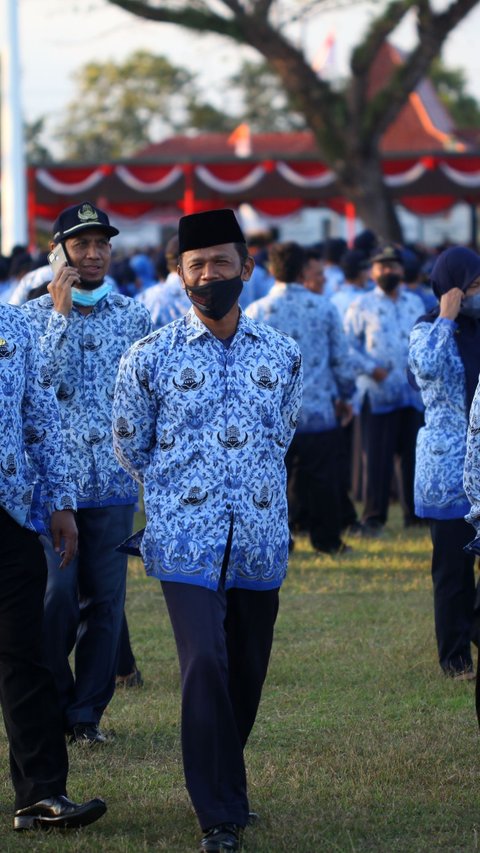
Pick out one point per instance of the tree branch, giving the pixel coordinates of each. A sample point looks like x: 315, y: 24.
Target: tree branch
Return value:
x: 433, y: 30
x: 184, y: 16
x: 365, y: 53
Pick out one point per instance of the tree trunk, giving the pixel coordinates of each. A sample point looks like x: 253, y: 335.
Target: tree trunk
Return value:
x: 361, y: 181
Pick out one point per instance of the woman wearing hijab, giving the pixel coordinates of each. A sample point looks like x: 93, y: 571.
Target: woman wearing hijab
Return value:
x: 445, y: 361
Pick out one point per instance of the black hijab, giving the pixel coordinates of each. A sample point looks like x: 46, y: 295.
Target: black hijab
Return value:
x: 459, y: 267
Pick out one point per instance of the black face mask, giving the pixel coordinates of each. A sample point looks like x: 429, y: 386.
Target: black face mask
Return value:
x: 215, y: 299
x: 388, y: 281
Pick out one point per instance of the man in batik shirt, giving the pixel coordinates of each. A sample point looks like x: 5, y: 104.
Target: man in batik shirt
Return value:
x: 83, y: 329
x: 204, y: 412
x: 31, y: 447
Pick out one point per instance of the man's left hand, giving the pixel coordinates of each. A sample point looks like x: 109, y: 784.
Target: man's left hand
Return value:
x: 64, y: 530
x: 343, y: 412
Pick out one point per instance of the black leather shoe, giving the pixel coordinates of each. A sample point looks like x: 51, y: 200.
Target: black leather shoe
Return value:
x: 224, y: 837
x: 133, y: 680
x: 87, y: 734
x: 59, y: 812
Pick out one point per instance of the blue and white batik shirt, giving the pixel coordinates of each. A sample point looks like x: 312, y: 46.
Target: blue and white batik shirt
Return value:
x: 82, y: 353
x: 31, y: 444
x: 378, y: 330
x: 314, y: 323
x: 166, y: 301
x: 471, y: 474
x: 206, y: 429
x: 435, y: 362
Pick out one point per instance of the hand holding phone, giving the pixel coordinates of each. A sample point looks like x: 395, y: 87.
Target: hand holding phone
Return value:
x: 57, y: 259
x: 64, y: 277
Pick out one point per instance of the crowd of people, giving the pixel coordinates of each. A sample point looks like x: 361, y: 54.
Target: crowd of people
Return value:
x: 257, y: 389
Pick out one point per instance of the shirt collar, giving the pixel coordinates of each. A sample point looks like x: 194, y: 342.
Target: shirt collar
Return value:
x: 379, y: 292
x: 195, y: 327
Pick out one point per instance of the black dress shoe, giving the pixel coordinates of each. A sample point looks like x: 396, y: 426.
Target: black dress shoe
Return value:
x: 134, y: 679
x: 59, y: 812
x: 87, y: 734
x: 224, y: 837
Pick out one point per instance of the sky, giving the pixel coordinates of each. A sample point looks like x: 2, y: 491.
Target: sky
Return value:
x: 57, y: 37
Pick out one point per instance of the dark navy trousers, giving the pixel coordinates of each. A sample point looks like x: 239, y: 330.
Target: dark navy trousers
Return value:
x: 224, y: 639
x: 84, y: 610
x: 383, y: 437
x: 453, y: 592
x: 30, y: 706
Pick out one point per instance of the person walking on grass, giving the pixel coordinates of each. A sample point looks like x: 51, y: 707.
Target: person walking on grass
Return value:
x: 31, y: 447
x: 204, y: 412
x: 83, y: 329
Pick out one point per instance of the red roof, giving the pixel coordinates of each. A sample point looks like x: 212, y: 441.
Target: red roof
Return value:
x: 422, y: 125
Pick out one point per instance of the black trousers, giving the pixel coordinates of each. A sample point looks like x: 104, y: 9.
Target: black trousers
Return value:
x: 30, y: 705
x: 383, y: 437
x: 348, y: 513
x: 313, y: 487
x: 224, y: 639
x: 453, y: 592
x: 126, y: 659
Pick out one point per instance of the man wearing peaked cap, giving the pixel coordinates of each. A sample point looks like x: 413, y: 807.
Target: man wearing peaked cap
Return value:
x: 83, y: 329
x: 204, y: 412
x: 388, y: 253
x: 378, y: 325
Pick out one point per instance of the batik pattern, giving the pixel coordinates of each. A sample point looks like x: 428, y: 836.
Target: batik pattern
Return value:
x: 31, y: 445
x: 378, y: 330
x: 471, y: 474
x: 82, y: 354
x: 206, y: 429
x: 441, y: 444
x: 166, y: 301
x: 315, y: 325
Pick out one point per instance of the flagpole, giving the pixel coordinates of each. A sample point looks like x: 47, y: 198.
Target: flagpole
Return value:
x: 14, y: 189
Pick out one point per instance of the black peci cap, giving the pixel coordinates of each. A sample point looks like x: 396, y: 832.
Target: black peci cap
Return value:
x: 211, y: 228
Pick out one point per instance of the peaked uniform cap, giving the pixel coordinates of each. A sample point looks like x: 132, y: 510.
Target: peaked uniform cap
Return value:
x: 78, y: 218
x: 387, y: 252
x: 211, y: 228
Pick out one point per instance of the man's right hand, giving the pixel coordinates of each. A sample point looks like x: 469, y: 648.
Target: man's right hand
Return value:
x: 450, y: 303
x: 379, y: 374
x: 64, y: 534
x: 60, y: 289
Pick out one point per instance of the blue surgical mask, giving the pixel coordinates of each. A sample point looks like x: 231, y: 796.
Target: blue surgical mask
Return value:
x: 88, y: 298
x: 471, y: 306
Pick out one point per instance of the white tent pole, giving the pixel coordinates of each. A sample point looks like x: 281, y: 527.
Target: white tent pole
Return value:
x: 13, y: 167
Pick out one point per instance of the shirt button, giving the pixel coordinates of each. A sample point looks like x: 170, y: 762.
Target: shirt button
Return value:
x: 229, y: 506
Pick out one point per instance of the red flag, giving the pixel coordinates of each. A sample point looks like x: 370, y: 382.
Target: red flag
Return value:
x: 241, y: 139
x: 324, y: 59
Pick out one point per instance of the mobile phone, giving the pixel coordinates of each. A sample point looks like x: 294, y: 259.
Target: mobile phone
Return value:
x: 57, y: 258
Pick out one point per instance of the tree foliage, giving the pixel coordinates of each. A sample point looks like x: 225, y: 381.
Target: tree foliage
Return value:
x: 35, y: 150
x: 347, y: 124
x: 265, y: 104
x: 119, y: 107
x: 451, y: 86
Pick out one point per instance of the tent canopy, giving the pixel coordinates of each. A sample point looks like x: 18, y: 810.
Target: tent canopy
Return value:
x: 274, y: 183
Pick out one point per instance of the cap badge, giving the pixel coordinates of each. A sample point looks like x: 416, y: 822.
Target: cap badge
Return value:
x: 86, y: 213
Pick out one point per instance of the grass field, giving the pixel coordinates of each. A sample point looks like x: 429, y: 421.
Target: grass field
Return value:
x: 360, y: 743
